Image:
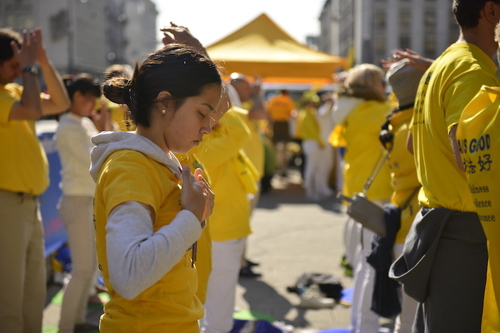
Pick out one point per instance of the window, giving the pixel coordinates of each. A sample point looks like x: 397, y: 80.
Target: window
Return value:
x: 430, y: 18
x: 405, y: 18
x: 430, y: 45
x: 379, y: 44
x: 379, y: 20
x: 404, y: 42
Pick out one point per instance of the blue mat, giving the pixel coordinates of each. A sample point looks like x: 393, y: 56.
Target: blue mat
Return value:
x: 341, y: 330
x: 347, y: 294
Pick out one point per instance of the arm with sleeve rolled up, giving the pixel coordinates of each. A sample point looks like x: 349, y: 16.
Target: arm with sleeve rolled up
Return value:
x: 456, y: 97
x: 30, y: 106
x: 58, y: 100
x: 258, y: 110
x: 455, y: 148
x: 234, y: 135
x: 137, y: 256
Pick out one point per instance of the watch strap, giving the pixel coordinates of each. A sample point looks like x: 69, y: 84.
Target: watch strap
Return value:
x: 31, y: 70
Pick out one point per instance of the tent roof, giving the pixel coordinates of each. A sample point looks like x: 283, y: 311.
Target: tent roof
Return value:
x: 262, y: 48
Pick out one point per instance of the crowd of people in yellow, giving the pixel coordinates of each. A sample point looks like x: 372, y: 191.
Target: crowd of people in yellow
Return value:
x: 176, y: 147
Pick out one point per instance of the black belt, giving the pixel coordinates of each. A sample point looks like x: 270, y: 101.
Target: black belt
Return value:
x: 21, y: 195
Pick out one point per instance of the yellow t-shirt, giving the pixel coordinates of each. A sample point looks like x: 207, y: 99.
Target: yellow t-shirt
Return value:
x: 204, y: 254
x: 364, y: 151
x: 403, y: 172
x: 445, y: 89
x: 280, y: 107
x: 170, y: 305
x: 24, y: 166
x: 254, y: 148
x: 336, y: 137
x: 118, y: 114
x: 231, y: 175
x: 307, y: 127
x: 478, y: 135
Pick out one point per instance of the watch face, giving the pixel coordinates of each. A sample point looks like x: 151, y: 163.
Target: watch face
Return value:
x: 30, y: 69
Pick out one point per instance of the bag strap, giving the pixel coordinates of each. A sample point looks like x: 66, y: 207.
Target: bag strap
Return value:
x: 380, y: 162
x: 407, y: 202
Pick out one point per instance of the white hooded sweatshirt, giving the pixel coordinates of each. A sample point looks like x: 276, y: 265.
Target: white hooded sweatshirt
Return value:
x: 137, y: 256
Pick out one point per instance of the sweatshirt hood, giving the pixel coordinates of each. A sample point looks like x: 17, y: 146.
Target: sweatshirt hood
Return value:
x: 343, y: 106
x: 107, y: 143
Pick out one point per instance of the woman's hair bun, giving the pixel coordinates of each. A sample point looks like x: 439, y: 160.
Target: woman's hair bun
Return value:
x: 117, y: 90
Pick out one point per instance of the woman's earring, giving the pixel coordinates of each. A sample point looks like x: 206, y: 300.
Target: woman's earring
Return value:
x: 163, y: 111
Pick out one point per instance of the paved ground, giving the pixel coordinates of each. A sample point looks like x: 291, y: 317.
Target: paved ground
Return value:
x: 291, y: 236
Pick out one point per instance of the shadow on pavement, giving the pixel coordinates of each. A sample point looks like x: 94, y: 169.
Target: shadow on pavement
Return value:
x: 263, y: 298
x: 293, y: 193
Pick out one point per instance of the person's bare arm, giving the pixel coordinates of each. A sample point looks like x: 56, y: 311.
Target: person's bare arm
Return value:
x: 409, y: 143
x: 258, y: 111
x: 30, y: 106
x: 455, y: 148
x: 414, y: 59
x: 58, y: 100
x: 179, y: 34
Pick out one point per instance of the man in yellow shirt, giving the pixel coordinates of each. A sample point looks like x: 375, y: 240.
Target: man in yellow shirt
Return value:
x: 248, y: 98
x: 281, y: 109
x: 450, y: 290
x: 233, y: 179
x: 23, y: 177
x: 478, y: 137
x: 250, y: 105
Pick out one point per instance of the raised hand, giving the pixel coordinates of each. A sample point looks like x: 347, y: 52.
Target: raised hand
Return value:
x: 27, y: 53
x: 207, y: 192
x: 193, y: 195
x: 414, y: 59
x: 179, y: 34
x: 41, y: 55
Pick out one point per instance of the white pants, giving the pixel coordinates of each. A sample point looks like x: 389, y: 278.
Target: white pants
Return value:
x: 352, y: 241
x: 339, y: 170
x: 76, y: 215
x: 319, y: 163
x: 221, y: 289
x: 363, y: 320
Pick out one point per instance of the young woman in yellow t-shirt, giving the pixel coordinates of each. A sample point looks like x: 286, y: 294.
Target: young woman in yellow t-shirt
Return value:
x: 148, y: 211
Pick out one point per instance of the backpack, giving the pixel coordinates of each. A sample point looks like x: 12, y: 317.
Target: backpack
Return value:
x: 327, y: 283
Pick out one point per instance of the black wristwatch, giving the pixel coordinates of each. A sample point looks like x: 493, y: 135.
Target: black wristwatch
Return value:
x: 33, y: 70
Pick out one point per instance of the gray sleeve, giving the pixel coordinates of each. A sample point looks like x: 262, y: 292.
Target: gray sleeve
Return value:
x: 137, y: 256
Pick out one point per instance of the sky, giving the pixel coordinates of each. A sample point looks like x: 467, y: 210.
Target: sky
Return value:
x: 212, y: 20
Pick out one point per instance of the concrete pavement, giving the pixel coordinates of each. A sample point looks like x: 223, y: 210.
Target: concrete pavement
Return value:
x: 291, y: 236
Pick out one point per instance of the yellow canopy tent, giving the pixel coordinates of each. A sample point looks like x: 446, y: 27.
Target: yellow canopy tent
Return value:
x: 262, y: 48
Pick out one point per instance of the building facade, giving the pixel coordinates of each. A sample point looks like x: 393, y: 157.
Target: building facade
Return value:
x: 367, y: 31
x: 87, y: 35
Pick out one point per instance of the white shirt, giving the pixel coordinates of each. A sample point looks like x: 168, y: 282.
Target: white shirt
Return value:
x: 73, y: 143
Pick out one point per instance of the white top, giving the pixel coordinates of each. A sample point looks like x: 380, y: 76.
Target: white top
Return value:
x: 129, y: 228
x: 73, y: 143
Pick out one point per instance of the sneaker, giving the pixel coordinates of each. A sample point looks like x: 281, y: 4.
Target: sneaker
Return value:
x: 316, y: 303
x: 313, y: 299
x: 284, y: 328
